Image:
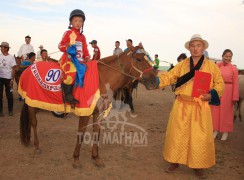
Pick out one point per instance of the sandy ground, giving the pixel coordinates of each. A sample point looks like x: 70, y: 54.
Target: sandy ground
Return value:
x: 58, y: 137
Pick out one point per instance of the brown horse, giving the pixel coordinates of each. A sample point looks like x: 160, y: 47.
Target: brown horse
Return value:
x: 118, y: 72
x: 238, y: 105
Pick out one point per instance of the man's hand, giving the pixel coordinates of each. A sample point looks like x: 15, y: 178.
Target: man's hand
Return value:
x: 205, y: 97
x: 11, y: 84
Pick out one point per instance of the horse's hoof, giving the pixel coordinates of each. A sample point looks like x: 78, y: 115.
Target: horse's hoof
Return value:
x: 98, y: 162
x: 77, y: 165
x: 37, y: 151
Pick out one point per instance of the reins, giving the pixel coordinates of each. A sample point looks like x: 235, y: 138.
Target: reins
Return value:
x: 121, y: 70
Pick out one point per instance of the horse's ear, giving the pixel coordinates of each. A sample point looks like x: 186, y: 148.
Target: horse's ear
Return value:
x: 130, y: 46
x: 140, y: 45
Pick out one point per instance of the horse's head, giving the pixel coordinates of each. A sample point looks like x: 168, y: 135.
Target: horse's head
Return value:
x: 141, y: 64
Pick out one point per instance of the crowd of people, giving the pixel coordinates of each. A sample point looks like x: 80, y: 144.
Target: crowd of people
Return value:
x: 193, y: 122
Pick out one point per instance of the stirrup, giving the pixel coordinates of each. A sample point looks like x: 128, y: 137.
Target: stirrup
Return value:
x: 69, y: 98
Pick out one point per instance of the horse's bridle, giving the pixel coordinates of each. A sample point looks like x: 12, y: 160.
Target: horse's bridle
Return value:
x: 139, y: 71
x: 121, y: 70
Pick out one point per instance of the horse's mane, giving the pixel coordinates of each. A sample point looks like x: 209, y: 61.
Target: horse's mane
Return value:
x: 112, y: 58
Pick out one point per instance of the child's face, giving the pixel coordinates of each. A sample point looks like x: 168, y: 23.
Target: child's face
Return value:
x: 32, y: 59
x: 77, y: 22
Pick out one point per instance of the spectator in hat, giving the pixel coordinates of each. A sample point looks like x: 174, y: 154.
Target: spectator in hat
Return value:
x: 128, y: 42
x: 117, y: 49
x: 26, y: 48
x: 7, y: 73
x: 96, y: 50
x: 38, y: 54
x: 189, y: 135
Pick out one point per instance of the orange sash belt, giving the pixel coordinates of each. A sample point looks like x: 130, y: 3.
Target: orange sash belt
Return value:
x: 188, y: 100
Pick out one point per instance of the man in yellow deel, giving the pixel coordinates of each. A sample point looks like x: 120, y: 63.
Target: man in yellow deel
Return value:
x: 189, y: 136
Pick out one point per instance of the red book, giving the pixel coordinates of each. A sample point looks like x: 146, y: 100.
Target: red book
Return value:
x: 201, y: 83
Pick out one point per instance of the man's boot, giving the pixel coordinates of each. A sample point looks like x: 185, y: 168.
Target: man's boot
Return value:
x: 68, y: 94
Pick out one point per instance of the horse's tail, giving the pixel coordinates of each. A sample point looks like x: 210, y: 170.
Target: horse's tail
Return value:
x: 25, y: 127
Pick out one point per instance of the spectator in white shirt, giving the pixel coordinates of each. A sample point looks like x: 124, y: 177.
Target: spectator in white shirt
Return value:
x: 26, y: 48
x: 7, y: 73
x: 117, y: 49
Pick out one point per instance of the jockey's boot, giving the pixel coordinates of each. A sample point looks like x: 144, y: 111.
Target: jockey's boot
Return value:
x: 68, y: 94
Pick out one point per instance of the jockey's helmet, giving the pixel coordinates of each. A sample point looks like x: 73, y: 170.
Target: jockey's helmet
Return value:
x: 77, y: 12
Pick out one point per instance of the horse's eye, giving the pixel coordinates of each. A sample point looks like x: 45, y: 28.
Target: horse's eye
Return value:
x: 138, y: 59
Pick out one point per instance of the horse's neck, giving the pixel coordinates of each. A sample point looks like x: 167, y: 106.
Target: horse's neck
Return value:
x: 113, y: 75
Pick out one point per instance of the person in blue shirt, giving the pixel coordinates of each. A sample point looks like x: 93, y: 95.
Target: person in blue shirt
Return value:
x: 128, y: 42
x: 27, y: 62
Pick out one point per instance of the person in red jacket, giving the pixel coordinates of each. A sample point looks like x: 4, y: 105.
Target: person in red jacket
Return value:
x: 75, y: 54
x: 96, y: 51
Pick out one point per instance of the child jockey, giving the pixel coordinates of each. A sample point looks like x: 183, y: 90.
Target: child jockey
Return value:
x: 75, y: 54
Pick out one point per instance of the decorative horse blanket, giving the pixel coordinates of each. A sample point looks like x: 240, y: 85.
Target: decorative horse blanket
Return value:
x: 40, y: 85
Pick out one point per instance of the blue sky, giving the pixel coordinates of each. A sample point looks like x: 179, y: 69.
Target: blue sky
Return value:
x: 163, y: 26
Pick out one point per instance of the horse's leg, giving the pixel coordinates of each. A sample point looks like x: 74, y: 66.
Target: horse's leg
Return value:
x: 25, y: 125
x: 32, y: 114
x: 236, y: 109
x: 122, y: 98
x: 239, y: 110
x: 125, y: 96
x: 115, y: 96
x: 83, y: 121
x: 96, y: 134
x: 130, y: 99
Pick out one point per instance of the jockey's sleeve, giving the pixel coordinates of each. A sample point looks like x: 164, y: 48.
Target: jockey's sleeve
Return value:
x: 65, y: 40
